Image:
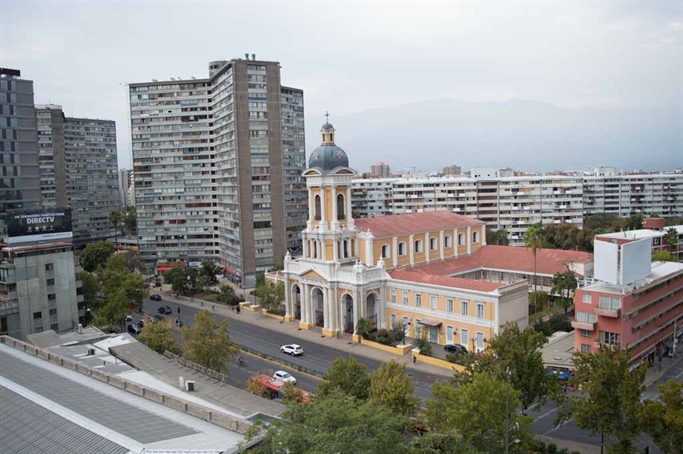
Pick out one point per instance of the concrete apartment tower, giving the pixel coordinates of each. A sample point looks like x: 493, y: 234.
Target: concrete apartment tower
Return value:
x: 20, y: 178
x: 217, y: 164
x: 125, y: 183
x: 78, y: 168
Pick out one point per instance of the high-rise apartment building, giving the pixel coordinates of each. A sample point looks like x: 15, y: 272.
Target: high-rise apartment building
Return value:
x: 450, y: 171
x: 380, y: 170
x: 515, y: 203
x: 125, y: 183
x: 78, y: 168
x: 217, y: 165
x: 20, y: 177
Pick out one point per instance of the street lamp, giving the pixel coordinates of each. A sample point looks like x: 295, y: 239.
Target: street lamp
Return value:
x: 507, y: 411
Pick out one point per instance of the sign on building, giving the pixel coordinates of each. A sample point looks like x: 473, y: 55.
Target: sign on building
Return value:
x: 42, y: 224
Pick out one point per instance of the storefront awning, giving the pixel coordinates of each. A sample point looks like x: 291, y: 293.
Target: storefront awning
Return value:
x: 430, y: 322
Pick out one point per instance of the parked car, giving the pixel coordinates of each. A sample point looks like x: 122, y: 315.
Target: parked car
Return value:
x: 165, y: 310
x: 454, y: 348
x: 134, y: 329
x: 281, y: 377
x: 141, y: 323
x: 292, y: 349
x: 155, y: 297
x: 129, y: 318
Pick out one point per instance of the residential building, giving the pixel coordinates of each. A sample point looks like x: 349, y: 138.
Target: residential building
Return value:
x: 633, y: 303
x: 20, y: 179
x: 217, y: 165
x: 380, y: 170
x: 451, y: 171
x: 78, y: 168
x: 516, y: 202
x: 431, y: 271
x: 655, y: 230
x: 125, y: 185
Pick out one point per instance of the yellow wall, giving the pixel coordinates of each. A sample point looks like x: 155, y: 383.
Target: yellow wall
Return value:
x: 361, y: 250
x: 329, y: 249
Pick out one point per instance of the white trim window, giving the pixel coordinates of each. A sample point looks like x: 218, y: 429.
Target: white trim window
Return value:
x: 432, y: 244
x: 418, y: 300
x: 433, y: 302
x: 449, y: 304
x: 402, y: 248
x: 480, y: 310
x: 464, y: 308
x: 449, y: 334
x: 475, y: 236
x: 464, y: 338
x: 585, y: 348
x: 461, y: 239
x: 418, y: 246
x: 406, y: 297
x: 447, y: 241
x: 385, y: 251
x: 418, y: 329
x: 392, y: 295
x: 610, y: 303
x: 587, y: 297
x: 393, y: 320
x: 480, y: 341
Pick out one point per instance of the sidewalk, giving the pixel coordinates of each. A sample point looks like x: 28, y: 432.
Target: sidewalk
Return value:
x: 292, y: 329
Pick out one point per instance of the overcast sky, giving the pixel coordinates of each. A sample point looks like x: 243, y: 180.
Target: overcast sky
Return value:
x: 352, y: 57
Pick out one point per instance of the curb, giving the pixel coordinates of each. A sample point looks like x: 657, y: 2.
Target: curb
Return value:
x: 304, y: 370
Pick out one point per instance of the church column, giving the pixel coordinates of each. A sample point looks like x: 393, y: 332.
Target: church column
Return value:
x: 323, y: 244
x: 441, y: 244
x: 394, y: 251
x: 304, y: 245
x: 411, y: 249
x: 382, y: 308
x: 483, y: 235
x: 326, y: 309
x: 369, y: 252
x: 347, y: 201
x: 335, y: 222
x: 311, y: 207
x: 456, y: 242
x: 356, y: 308
x: 428, y: 247
x: 323, y: 215
x: 305, y: 300
x: 288, y: 298
x: 469, y: 240
x: 336, y: 250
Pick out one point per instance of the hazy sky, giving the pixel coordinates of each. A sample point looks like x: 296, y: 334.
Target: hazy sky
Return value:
x: 351, y: 57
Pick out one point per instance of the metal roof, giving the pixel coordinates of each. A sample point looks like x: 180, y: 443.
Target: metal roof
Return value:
x: 28, y: 428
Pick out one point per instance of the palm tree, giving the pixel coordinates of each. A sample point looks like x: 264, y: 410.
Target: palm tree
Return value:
x: 671, y: 238
x: 533, y: 239
x: 363, y: 327
x: 115, y: 217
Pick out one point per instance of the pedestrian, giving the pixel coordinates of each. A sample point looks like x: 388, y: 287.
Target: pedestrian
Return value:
x: 414, y: 359
x: 213, y: 308
x: 237, y: 309
x: 201, y: 303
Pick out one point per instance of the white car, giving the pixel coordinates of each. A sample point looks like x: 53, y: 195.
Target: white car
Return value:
x: 292, y: 349
x: 281, y: 377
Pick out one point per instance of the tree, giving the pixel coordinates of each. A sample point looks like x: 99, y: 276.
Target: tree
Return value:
x: 391, y: 386
x: 210, y: 270
x: 564, y: 285
x: 336, y: 424
x: 422, y: 343
x: 603, y: 223
x: 130, y: 220
x: 398, y: 332
x: 115, y: 217
x: 674, y: 221
x: 159, y: 336
x: 117, y: 279
x: 271, y: 297
x: 663, y: 421
x: 183, y: 280
x: 95, y: 255
x: 441, y: 443
x: 533, y: 239
x: 291, y: 394
x: 260, y: 279
x: 477, y: 410
x: 208, y: 343
x: 347, y: 376
x: 132, y: 260
x: 634, y: 222
x: 609, y: 403
x: 663, y: 256
x: 111, y: 316
x: 499, y: 237
x: 91, y: 287
x: 671, y: 238
x: 364, y: 326
x: 227, y: 295
x: 568, y: 237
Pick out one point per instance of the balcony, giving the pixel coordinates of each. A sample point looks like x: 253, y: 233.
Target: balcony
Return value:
x: 585, y: 325
x: 611, y: 313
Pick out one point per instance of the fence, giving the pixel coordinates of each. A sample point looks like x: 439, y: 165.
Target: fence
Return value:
x: 194, y: 366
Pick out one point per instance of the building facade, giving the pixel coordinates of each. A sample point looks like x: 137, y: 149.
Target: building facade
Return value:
x: 451, y: 171
x: 515, y: 203
x: 20, y: 180
x: 217, y: 165
x: 79, y: 169
x: 655, y: 231
x: 380, y: 170
x: 125, y: 185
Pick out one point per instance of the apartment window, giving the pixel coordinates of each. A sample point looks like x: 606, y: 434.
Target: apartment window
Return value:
x: 610, y: 303
x: 405, y: 297
x: 585, y: 348
x: 480, y: 310
x: 475, y: 237
x: 447, y: 241
x: 432, y: 244
x: 393, y: 320
x: 418, y: 245
x: 50, y: 282
x: 53, y: 312
x: 608, y: 338
x: 449, y: 304
x: 51, y: 297
x: 433, y: 302
x: 54, y: 327
x: 586, y: 317
x: 49, y: 267
x: 418, y: 300
x: 464, y: 308
x: 464, y: 338
x: 392, y: 294
x: 586, y: 333
x: 587, y: 297
x: 385, y: 251
x: 402, y: 248
x: 37, y: 315
x: 461, y: 239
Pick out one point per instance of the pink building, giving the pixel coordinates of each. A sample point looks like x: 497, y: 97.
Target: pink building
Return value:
x: 633, y: 302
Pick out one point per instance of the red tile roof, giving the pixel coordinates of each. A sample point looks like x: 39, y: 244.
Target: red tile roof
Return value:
x: 405, y: 224
x: 445, y: 281
x: 520, y: 259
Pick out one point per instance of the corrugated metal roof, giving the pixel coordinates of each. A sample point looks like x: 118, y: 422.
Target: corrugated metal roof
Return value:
x: 28, y: 428
x: 45, y: 339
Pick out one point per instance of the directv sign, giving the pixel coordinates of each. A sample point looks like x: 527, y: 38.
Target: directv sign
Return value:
x: 40, y: 225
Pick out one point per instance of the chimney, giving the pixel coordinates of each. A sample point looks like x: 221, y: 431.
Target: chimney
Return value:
x: 246, y: 56
x: 253, y: 56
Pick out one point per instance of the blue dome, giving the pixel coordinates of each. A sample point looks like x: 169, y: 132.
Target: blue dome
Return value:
x: 328, y: 157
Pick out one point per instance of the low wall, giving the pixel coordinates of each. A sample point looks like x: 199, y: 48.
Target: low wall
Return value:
x: 220, y: 419
x: 275, y: 316
x: 436, y: 361
x: 387, y: 348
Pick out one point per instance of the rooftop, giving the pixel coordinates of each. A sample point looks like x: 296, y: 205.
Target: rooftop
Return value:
x: 549, y: 261
x: 445, y: 281
x: 33, y: 247
x: 659, y: 272
x: 406, y: 224
x: 559, y: 350
x: 641, y: 233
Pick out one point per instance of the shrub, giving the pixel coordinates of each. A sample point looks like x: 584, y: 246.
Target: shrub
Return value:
x: 558, y: 322
x: 423, y: 345
x: 456, y: 358
x: 551, y: 448
x: 256, y: 387
x: 384, y: 337
x: 291, y: 394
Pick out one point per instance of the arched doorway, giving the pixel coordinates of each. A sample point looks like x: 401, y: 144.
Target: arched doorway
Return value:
x: 318, y: 301
x: 296, y: 301
x: 347, y: 311
x: 370, y: 309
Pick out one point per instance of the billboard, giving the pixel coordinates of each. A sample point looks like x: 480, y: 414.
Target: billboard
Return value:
x: 606, y: 256
x: 636, y: 260
x: 42, y: 224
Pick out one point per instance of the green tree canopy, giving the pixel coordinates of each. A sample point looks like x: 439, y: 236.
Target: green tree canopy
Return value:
x: 95, y: 255
x: 111, y: 315
x: 210, y: 269
x: 391, y: 386
x: 272, y: 298
x: 115, y: 217
x: 609, y: 402
x: 441, y: 443
x: 477, y: 411
x: 227, y: 295
x: 346, y: 375
x: 564, y: 285
x: 533, y: 239
x: 159, y: 336
x: 116, y: 279
x: 91, y: 287
x: 663, y: 421
x: 130, y: 220
x: 671, y: 238
x: 208, y: 343
x: 335, y: 424
x: 183, y: 279
x: 634, y: 221
x: 663, y: 256
x: 568, y: 237
x: 498, y: 237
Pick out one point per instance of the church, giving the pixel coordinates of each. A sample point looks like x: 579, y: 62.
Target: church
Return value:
x: 406, y: 268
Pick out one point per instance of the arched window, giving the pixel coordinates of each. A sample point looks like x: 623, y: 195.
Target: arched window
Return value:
x: 317, y: 208
x: 346, y: 249
x: 341, y: 215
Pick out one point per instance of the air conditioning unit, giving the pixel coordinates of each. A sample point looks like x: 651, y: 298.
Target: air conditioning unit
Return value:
x: 91, y: 352
x: 189, y: 385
